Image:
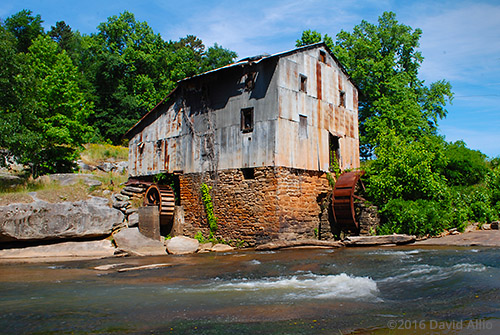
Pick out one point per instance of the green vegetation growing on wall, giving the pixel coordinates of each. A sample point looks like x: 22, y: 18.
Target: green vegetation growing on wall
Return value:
x: 209, y: 208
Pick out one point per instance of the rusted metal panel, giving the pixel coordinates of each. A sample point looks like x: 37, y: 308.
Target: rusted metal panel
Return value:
x: 200, y: 128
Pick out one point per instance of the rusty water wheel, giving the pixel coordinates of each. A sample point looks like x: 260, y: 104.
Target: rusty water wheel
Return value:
x: 343, y: 201
x: 163, y: 197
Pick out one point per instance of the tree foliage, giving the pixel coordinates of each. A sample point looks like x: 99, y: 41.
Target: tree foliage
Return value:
x: 421, y: 183
x: 25, y: 27
x: 62, y: 88
x: 384, y: 61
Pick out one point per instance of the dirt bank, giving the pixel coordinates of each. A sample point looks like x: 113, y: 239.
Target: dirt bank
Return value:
x: 485, y: 238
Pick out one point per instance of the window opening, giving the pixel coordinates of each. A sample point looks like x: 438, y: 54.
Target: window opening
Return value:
x: 334, y: 146
x: 302, y: 126
x: 303, y: 83
x: 248, y: 173
x: 322, y: 56
x: 342, y: 98
x: 247, y: 120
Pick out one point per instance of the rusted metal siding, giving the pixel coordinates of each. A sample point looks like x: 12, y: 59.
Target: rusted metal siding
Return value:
x: 321, y: 105
x: 199, y: 128
x: 190, y: 137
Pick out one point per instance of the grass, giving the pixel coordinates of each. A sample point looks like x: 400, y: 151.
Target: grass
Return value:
x: 95, y: 154
x: 15, y: 188
x: 54, y: 192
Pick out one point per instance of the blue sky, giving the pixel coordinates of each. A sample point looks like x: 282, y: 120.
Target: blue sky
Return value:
x: 460, y: 42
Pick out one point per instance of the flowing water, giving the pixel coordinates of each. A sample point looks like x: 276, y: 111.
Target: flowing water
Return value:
x: 403, y: 290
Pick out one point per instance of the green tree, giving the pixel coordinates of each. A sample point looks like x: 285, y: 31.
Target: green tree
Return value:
x: 25, y: 27
x: 465, y: 167
x: 407, y: 169
x: 312, y: 36
x: 123, y: 64
x: 48, y: 120
x: 131, y: 69
x: 216, y: 57
x: 384, y: 60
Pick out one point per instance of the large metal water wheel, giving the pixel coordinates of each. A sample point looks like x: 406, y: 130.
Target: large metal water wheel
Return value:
x: 163, y: 197
x: 343, y: 201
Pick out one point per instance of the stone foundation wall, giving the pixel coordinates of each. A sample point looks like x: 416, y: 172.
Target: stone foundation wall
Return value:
x: 273, y: 203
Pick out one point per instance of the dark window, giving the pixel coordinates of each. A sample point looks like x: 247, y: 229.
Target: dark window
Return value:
x: 302, y: 126
x: 303, y: 83
x: 247, y: 120
x: 322, y: 56
x: 334, y: 146
x: 248, y: 173
x: 342, y: 98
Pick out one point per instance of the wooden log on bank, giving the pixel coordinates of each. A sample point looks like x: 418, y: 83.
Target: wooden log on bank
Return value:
x: 299, y: 243
x: 398, y: 239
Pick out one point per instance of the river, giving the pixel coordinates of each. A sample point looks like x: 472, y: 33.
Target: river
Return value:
x: 390, y: 290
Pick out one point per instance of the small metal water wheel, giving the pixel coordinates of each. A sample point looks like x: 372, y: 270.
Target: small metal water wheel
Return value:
x: 163, y: 197
x: 343, y: 200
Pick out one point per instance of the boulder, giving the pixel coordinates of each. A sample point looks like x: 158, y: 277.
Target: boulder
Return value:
x: 121, y: 167
x: 106, y: 167
x: 132, y: 242
x: 134, y: 189
x: 84, y: 167
x: 222, y: 248
x: 103, y: 248
x: 120, y: 204
x: 42, y: 220
x: 120, y: 197
x: 205, y: 247
x: 181, y: 245
x: 133, y: 219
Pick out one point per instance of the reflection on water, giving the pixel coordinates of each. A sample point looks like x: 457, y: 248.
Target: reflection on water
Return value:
x: 300, y: 291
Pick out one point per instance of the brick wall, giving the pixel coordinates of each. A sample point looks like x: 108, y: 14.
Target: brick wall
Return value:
x: 277, y: 203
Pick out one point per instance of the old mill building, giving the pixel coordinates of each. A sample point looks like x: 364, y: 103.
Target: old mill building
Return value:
x: 263, y: 133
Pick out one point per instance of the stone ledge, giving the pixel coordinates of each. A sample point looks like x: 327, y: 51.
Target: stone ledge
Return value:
x: 379, y: 240
x: 298, y: 243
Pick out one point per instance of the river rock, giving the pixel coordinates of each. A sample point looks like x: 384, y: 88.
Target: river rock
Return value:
x: 298, y: 243
x: 221, y: 248
x: 120, y: 197
x: 379, y: 240
x: 134, y: 189
x: 120, y: 204
x: 121, y: 167
x: 133, y: 219
x: 103, y: 248
x: 42, y: 220
x: 84, y: 167
x: 205, y: 247
x: 181, y: 245
x: 132, y: 242
x: 106, y: 167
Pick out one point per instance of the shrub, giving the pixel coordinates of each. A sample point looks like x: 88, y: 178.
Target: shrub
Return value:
x: 465, y: 166
x: 416, y: 217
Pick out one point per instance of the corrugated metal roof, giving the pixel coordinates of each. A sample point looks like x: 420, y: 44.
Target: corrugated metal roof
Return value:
x: 243, y: 62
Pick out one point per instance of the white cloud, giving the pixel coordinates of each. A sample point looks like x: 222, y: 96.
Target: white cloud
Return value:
x: 263, y: 26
